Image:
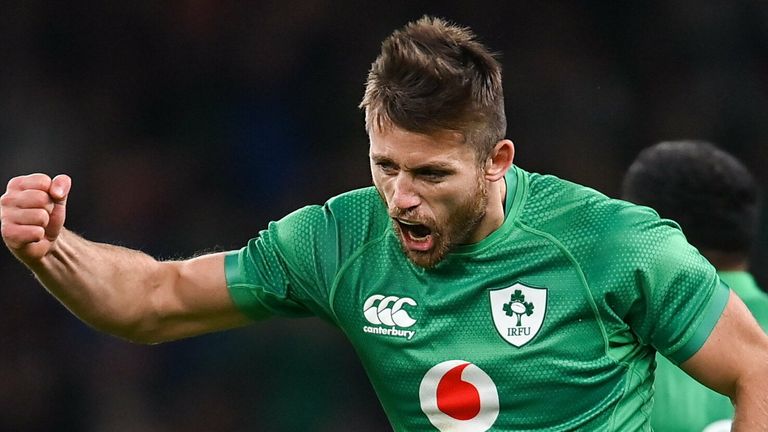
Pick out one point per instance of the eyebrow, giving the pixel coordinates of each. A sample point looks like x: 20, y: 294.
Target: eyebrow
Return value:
x: 380, y: 159
x: 430, y: 166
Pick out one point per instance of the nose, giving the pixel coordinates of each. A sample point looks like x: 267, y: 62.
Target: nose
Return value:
x: 405, y: 196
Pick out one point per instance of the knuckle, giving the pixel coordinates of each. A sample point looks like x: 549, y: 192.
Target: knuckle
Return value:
x: 34, y: 199
x: 5, y: 199
x: 16, y: 236
x: 6, y: 215
x: 9, y: 233
x: 18, y: 181
x: 37, y: 233
x: 29, y: 181
x: 39, y: 217
x: 30, y: 198
x: 35, y: 176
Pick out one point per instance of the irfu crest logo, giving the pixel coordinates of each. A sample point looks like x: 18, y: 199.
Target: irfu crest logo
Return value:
x: 518, y: 306
x: 518, y: 312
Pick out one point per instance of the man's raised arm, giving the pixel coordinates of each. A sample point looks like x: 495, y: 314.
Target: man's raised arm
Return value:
x: 114, y: 289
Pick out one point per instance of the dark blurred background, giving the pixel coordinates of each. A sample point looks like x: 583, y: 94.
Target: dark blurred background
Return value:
x: 188, y: 125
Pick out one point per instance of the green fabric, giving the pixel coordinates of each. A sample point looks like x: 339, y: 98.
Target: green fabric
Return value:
x: 682, y: 404
x: 696, y: 341
x: 549, y: 323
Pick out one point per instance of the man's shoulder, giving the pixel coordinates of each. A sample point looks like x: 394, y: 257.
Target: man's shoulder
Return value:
x: 363, y: 205
x: 357, y: 204
x: 562, y: 205
x: 595, y: 228
x: 335, y: 229
x: 355, y: 217
x: 350, y: 211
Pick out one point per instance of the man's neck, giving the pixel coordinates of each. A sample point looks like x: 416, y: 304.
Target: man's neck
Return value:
x: 503, y: 193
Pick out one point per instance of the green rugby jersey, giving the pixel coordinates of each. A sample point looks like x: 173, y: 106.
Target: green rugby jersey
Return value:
x: 549, y: 323
x: 682, y: 404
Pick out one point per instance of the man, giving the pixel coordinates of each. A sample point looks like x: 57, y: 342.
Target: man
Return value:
x: 478, y: 296
x: 714, y: 198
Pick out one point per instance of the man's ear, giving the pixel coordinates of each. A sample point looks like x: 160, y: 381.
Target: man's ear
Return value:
x: 500, y: 160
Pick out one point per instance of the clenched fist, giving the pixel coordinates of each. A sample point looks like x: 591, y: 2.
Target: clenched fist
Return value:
x: 32, y: 213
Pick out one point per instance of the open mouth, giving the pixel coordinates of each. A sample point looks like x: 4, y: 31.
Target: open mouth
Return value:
x: 417, y: 236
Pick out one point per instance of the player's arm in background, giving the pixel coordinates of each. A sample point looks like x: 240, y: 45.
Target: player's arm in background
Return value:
x: 116, y: 290
x: 734, y: 362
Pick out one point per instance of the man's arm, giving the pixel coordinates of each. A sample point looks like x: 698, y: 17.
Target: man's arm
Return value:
x: 116, y: 290
x: 734, y: 362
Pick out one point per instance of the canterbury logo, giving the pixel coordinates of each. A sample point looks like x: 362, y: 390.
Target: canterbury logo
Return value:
x: 388, y: 310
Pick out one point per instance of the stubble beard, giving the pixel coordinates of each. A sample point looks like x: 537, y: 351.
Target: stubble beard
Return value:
x: 455, y: 230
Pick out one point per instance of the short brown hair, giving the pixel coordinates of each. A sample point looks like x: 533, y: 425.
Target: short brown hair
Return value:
x: 435, y: 76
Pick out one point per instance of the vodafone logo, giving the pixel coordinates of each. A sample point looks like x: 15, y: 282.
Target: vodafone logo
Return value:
x: 458, y: 396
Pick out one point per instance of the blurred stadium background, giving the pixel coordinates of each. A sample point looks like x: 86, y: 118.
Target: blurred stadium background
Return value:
x: 188, y: 125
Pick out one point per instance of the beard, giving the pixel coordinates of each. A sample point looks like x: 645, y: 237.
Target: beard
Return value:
x: 448, y: 232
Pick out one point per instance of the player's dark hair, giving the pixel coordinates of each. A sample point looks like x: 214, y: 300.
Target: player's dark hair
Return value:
x: 709, y: 192
x: 435, y: 76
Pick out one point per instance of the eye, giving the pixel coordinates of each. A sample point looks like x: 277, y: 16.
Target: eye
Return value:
x: 387, y: 168
x: 434, y: 176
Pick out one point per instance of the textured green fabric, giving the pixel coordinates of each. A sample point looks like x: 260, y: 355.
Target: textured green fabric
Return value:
x: 681, y: 404
x: 549, y: 323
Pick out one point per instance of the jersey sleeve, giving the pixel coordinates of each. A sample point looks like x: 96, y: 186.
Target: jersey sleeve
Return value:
x: 679, y: 297
x: 287, y: 269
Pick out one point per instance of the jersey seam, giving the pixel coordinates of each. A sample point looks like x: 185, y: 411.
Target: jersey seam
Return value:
x: 244, y: 285
x: 582, y: 279
x: 630, y: 373
x: 343, y: 268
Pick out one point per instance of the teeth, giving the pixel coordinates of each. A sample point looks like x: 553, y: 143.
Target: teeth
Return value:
x: 413, y: 233
x: 408, y: 222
